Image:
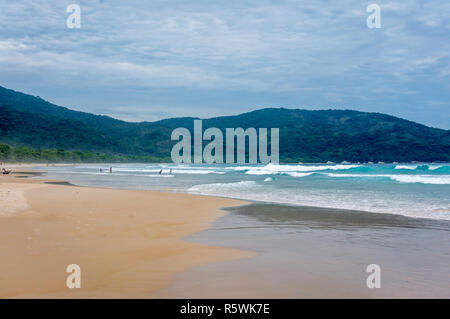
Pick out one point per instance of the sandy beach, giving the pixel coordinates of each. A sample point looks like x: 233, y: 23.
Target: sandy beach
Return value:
x: 128, y: 243
x: 134, y: 243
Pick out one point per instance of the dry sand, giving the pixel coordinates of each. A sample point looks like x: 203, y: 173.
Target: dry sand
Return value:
x: 128, y: 243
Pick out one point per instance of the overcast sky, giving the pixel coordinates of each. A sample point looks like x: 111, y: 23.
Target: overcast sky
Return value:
x: 147, y: 60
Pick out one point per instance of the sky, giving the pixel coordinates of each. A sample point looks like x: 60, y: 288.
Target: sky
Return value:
x: 148, y: 60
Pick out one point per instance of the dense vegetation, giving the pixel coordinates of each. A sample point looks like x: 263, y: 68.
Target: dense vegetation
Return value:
x: 29, y: 155
x: 305, y: 136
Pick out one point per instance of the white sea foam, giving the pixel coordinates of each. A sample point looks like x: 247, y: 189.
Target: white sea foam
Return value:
x: 296, y: 174
x: 403, y: 178
x: 433, y: 167
x: 359, y: 200
x: 423, y: 179
x: 260, y: 172
x: 159, y: 175
x: 195, y: 171
x: 355, y: 175
x: 411, y: 167
x: 132, y: 170
x: 223, y: 188
x: 270, y: 168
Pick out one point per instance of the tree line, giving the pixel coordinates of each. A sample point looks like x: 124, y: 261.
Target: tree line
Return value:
x: 27, y: 154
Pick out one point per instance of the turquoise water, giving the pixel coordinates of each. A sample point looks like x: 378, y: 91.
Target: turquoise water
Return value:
x: 414, y: 190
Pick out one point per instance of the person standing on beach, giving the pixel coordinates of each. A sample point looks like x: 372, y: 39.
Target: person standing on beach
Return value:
x: 110, y: 170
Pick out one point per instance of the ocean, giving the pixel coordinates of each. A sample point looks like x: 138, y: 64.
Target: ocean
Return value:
x: 413, y: 190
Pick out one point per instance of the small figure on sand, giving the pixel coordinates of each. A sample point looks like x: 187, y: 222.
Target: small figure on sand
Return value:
x: 6, y: 171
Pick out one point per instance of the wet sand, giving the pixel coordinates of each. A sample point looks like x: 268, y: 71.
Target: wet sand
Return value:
x: 312, y: 252
x: 128, y: 243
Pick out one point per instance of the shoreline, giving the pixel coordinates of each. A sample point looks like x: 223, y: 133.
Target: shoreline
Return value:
x: 295, y: 250
x: 245, y: 202
x: 128, y: 243
x: 251, y: 201
x: 387, y: 190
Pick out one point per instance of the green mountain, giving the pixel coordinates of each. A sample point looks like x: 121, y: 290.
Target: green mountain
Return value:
x: 306, y: 136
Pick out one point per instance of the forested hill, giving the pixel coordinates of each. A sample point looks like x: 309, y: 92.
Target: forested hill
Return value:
x: 305, y: 136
